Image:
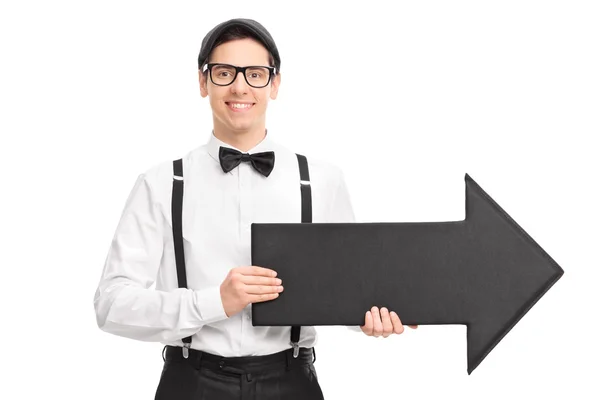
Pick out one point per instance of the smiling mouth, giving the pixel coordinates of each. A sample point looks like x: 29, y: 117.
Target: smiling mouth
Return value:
x: 239, y: 106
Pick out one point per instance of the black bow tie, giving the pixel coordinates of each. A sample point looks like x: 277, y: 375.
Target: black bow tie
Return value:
x: 231, y: 158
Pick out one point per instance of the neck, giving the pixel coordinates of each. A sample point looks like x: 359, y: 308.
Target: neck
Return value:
x: 242, y: 140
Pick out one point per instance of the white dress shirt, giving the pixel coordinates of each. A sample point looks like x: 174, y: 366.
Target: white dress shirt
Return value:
x: 218, y: 209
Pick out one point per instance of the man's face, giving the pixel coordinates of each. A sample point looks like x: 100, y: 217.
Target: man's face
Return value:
x: 241, y: 53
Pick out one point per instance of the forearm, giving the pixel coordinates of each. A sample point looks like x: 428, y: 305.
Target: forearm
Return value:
x: 125, y: 309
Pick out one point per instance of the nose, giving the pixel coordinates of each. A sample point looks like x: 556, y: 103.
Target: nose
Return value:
x: 239, y: 84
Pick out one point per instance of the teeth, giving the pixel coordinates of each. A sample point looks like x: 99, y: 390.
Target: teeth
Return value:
x: 238, y: 105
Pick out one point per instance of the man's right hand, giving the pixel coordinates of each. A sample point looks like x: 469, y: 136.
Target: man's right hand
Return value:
x: 245, y: 285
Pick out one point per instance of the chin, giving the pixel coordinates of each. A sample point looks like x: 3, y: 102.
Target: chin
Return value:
x: 239, y: 126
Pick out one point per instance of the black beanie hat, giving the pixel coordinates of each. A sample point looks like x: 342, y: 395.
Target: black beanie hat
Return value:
x: 260, y: 31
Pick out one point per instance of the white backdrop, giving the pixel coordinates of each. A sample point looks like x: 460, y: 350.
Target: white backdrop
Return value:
x: 406, y: 97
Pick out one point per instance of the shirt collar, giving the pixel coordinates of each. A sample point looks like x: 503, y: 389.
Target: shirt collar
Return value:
x: 214, y: 143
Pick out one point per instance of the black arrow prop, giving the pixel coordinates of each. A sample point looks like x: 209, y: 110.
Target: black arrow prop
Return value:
x: 485, y: 272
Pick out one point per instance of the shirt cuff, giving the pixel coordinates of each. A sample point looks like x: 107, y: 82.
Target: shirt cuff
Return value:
x: 354, y: 328
x: 209, y: 304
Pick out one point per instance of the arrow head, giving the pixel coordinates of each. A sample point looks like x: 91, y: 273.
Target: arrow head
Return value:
x: 513, y: 272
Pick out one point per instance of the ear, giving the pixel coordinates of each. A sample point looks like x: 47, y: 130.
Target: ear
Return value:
x: 203, y: 83
x: 275, y: 85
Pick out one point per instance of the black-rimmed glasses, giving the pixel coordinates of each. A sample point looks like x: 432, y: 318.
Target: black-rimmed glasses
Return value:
x: 256, y: 76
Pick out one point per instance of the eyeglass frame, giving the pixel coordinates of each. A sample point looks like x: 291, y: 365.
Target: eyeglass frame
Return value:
x: 243, y: 71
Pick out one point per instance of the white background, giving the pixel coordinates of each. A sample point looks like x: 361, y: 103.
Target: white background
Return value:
x: 406, y: 97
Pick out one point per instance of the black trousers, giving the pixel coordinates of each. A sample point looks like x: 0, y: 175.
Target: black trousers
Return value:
x: 205, y: 376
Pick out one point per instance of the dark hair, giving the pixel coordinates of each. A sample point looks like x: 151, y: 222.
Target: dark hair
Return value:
x: 236, y: 33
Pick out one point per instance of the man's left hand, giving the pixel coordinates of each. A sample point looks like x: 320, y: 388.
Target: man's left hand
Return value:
x: 383, y: 323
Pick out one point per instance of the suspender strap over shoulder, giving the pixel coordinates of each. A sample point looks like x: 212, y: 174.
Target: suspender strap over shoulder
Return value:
x: 177, y: 221
x: 305, y: 193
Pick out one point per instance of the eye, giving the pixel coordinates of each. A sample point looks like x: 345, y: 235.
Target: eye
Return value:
x: 256, y: 73
x: 222, y: 71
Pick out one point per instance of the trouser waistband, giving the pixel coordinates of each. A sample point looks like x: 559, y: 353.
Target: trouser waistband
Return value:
x: 282, y: 359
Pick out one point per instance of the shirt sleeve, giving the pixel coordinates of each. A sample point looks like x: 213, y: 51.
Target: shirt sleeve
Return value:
x: 341, y: 211
x: 124, y: 303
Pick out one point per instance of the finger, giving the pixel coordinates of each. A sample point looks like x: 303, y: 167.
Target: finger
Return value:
x: 260, y: 280
x: 368, y: 326
x: 377, y: 325
x: 386, y: 322
x: 262, y: 289
x: 256, y: 270
x: 259, y: 298
x: 397, y: 323
x: 414, y: 326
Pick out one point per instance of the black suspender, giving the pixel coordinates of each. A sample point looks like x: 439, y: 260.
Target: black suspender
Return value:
x: 305, y: 194
x: 176, y: 218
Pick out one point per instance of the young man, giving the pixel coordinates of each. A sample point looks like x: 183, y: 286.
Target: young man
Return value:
x: 241, y: 175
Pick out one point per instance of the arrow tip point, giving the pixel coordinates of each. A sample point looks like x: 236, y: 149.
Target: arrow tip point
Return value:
x: 468, y: 178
